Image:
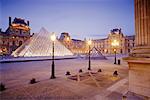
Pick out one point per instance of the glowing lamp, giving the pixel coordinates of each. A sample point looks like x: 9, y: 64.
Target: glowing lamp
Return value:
x: 89, y: 42
x: 68, y: 39
x: 115, y: 43
x: 115, y: 50
x: 53, y: 37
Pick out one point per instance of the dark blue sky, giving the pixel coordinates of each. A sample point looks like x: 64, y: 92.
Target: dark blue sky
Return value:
x: 81, y: 18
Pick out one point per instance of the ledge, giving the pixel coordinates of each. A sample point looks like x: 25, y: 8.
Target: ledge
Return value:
x: 137, y: 60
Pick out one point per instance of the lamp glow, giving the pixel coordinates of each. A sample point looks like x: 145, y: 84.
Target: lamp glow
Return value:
x: 115, y: 43
x: 68, y: 39
x: 53, y: 37
x: 89, y: 42
x: 114, y: 50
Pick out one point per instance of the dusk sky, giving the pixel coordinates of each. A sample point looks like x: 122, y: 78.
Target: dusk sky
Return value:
x: 81, y: 18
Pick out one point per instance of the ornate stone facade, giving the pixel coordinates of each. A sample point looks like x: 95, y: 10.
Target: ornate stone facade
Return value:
x: 16, y: 34
x: 75, y: 45
x: 126, y: 43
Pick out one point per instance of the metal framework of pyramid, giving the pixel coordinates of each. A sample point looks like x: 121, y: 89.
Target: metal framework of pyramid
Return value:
x: 41, y: 45
x: 95, y: 54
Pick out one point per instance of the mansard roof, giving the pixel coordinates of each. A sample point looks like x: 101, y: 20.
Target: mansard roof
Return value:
x: 19, y: 21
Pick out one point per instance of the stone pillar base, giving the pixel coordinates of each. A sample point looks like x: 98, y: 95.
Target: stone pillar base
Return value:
x: 141, y: 51
x: 139, y: 75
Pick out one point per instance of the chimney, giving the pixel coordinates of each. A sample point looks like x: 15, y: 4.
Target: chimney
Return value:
x: 9, y: 21
x: 120, y: 30
x: 28, y: 23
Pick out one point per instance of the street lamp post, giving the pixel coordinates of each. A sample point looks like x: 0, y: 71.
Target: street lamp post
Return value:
x: 115, y: 56
x: 89, y: 44
x: 53, y: 38
x: 115, y: 43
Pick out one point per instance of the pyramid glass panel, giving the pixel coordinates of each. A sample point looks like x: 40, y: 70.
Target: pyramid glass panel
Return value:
x: 41, y: 45
x: 95, y: 54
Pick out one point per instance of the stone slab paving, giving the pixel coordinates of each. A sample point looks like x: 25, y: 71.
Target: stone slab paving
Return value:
x: 58, y: 89
x: 16, y: 77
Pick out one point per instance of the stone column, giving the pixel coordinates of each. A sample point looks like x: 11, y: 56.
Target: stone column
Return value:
x: 139, y: 59
x: 142, y: 28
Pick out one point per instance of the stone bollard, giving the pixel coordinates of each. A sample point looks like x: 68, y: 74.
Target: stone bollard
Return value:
x: 118, y: 61
x: 2, y: 87
x: 33, y: 80
x: 68, y: 73
x: 124, y: 97
x: 80, y: 71
x: 99, y: 70
x: 115, y: 73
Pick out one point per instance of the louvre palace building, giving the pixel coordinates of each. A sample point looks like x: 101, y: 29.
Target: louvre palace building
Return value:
x: 18, y: 32
x: 15, y: 35
x: 105, y: 45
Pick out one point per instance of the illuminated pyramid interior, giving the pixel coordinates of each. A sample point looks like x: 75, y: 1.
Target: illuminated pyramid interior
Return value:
x: 41, y: 45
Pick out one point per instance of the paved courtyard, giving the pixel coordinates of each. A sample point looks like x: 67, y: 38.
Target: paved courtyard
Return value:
x: 96, y: 86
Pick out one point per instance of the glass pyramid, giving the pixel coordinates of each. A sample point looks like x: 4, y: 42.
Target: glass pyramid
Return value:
x: 95, y: 54
x: 41, y: 45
